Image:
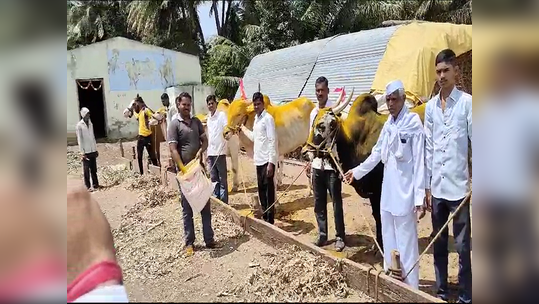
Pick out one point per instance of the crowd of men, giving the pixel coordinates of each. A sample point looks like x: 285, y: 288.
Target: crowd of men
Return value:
x: 425, y: 169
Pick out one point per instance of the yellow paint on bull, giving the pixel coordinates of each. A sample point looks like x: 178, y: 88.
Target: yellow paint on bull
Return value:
x: 411, y: 52
x: 363, y: 124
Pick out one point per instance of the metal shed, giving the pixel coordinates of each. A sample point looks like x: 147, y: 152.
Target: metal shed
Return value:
x: 349, y: 60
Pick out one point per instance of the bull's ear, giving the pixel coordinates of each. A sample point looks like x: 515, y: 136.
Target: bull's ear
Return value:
x: 339, y: 115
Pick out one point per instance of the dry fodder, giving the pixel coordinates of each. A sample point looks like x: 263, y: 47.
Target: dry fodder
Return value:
x: 74, y: 163
x: 144, y: 182
x: 293, y: 275
x: 149, y: 240
x: 114, y: 176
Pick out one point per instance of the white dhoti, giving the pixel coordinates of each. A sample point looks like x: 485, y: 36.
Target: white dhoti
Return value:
x: 400, y: 233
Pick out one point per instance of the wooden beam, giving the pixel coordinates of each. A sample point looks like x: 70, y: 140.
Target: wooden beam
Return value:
x: 358, y: 276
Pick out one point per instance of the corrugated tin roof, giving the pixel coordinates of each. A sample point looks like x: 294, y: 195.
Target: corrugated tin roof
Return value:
x: 282, y: 73
x: 349, y: 60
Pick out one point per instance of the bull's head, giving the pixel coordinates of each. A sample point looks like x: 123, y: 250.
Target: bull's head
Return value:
x: 325, y: 126
x: 128, y: 112
x: 238, y: 112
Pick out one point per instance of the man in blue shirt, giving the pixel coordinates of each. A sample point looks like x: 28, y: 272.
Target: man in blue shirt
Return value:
x: 448, y: 126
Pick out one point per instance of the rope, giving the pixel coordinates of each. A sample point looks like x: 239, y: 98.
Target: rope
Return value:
x: 464, y: 201
x: 280, y: 196
x: 341, y: 172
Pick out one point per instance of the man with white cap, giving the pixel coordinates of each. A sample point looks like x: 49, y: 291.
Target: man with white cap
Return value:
x: 401, y: 147
x: 88, y: 149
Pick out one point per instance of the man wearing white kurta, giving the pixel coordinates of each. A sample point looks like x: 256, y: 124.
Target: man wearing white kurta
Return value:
x: 400, y: 147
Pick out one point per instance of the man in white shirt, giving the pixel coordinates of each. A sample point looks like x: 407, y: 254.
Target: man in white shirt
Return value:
x: 448, y: 126
x: 265, y: 155
x: 88, y: 149
x: 401, y: 148
x: 216, y: 122
x: 326, y: 178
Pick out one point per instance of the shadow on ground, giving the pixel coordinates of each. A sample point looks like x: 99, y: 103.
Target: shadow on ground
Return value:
x: 228, y: 246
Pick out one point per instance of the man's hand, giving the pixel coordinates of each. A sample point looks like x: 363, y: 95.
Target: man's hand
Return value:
x: 349, y: 177
x: 83, y: 157
x: 428, y: 200
x: 270, y: 170
x: 89, y: 239
x: 308, y: 168
x: 420, y: 211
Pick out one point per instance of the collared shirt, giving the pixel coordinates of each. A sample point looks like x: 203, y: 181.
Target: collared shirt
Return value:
x: 85, y: 137
x: 446, y: 145
x: 318, y: 162
x: 403, y: 186
x: 216, y: 142
x: 186, y: 135
x: 508, y: 143
x: 264, y: 138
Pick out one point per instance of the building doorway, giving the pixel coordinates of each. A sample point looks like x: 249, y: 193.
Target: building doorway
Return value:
x: 91, y: 96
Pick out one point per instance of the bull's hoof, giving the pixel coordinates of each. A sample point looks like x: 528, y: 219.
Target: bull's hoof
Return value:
x: 234, y: 189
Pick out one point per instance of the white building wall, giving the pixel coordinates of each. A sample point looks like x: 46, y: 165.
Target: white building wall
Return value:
x: 128, y: 68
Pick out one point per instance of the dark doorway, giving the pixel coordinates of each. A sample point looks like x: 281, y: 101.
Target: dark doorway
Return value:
x: 91, y: 96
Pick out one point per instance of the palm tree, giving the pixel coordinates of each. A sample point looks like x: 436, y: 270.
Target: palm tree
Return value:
x: 92, y: 21
x: 84, y: 23
x: 173, y: 24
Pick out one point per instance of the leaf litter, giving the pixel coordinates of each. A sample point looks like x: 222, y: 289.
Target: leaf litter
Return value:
x: 149, y: 244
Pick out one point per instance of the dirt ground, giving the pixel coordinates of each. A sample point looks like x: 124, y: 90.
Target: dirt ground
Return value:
x: 295, y: 214
x: 148, y: 234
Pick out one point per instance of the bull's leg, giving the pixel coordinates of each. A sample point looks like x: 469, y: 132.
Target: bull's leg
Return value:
x: 280, y: 173
x: 235, y: 163
x: 375, y: 199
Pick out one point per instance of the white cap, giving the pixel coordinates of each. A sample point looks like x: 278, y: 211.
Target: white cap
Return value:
x: 394, y: 86
x: 84, y: 111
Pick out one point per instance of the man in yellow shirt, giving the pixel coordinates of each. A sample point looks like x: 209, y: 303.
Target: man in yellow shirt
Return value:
x: 144, y: 114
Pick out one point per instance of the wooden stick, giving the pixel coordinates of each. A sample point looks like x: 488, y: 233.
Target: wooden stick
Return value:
x: 154, y: 226
x: 464, y: 201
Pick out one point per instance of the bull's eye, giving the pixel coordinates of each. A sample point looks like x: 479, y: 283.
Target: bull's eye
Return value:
x: 332, y: 124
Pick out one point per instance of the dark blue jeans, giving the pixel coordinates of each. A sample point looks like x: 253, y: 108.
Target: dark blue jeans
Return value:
x: 189, y: 225
x: 462, y: 230
x: 218, y: 175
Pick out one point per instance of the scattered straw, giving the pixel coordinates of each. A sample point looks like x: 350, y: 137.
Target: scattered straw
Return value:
x: 74, y: 163
x: 293, y: 275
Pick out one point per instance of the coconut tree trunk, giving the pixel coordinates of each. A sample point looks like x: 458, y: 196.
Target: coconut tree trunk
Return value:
x: 215, y: 13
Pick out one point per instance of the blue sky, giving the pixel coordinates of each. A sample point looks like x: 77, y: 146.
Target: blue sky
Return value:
x: 206, y: 22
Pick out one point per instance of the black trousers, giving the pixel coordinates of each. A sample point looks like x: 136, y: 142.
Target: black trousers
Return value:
x: 145, y: 141
x: 89, y: 166
x: 266, y: 192
x: 324, y: 181
x: 462, y: 231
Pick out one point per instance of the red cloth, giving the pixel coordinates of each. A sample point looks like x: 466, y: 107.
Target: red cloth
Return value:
x: 91, y: 278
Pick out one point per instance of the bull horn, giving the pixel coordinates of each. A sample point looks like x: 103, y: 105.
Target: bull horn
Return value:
x: 339, y: 99
x: 338, y: 109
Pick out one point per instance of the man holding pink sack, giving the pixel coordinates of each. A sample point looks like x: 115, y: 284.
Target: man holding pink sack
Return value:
x: 188, y: 141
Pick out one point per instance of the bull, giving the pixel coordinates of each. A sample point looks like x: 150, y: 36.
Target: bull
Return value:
x: 354, y: 137
x: 291, y: 125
